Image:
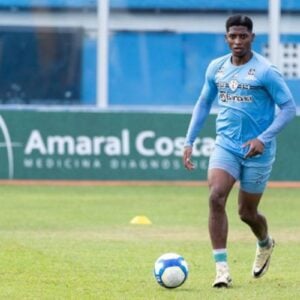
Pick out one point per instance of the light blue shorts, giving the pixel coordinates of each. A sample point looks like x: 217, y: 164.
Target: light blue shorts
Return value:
x: 253, y: 173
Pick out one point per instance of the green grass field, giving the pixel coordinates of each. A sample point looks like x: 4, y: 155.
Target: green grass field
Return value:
x: 77, y: 243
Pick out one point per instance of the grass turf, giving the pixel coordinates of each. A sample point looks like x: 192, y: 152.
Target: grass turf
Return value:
x: 77, y: 243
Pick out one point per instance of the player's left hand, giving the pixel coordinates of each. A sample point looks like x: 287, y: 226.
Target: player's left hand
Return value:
x: 256, y: 147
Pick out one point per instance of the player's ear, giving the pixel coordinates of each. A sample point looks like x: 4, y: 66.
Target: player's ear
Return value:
x: 253, y: 37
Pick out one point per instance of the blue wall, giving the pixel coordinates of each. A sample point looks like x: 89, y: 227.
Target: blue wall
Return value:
x: 160, y: 68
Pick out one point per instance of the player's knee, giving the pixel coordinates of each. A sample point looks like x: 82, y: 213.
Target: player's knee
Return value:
x: 217, y: 200
x: 247, y: 216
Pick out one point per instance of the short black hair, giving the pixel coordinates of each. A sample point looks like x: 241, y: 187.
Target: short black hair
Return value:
x: 239, y: 20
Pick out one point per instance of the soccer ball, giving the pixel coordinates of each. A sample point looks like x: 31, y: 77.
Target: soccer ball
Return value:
x: 171, y: 270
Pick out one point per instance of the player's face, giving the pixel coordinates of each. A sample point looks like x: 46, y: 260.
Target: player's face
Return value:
x: 239, y: 39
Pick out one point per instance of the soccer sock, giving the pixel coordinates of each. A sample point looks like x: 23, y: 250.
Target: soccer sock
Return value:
x: 220, y: 257
x: 264, y: 243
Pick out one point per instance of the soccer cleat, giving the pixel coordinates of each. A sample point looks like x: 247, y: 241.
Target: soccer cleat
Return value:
x: 223, y: 278
x: 262, y: 260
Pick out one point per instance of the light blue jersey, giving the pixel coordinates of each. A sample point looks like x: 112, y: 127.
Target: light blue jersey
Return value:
x: 247, y: 96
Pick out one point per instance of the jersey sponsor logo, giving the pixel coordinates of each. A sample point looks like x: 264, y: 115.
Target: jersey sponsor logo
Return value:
x: 226, y: 97
x: 243, y: 86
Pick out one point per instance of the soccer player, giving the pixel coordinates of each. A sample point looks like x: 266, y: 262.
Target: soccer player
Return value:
x: 248, y: 89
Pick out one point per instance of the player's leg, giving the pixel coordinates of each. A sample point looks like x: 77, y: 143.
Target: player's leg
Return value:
x: 222, y: 174
x: 220, y: 185
x: 253, y: 183
x: 248, y: 211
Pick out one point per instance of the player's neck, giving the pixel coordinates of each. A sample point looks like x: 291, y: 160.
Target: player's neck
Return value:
x: 241, y: 60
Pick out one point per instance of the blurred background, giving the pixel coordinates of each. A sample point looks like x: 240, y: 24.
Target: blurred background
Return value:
x: 125, y: 61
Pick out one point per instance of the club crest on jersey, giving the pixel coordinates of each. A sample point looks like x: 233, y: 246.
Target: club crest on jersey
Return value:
x: 233, y: 84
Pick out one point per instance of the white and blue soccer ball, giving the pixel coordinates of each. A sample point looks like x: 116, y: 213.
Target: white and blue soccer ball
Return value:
x: 171, y: 270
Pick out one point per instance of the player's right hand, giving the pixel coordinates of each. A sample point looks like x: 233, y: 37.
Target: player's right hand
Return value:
x: 255, y: 147
x: 187, y: 154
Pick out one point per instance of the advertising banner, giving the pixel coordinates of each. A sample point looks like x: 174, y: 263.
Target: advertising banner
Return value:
x: 100, y: 146
x: 114, y: 146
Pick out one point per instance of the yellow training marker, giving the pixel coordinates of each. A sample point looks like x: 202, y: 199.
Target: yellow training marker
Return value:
x: 140, y: 220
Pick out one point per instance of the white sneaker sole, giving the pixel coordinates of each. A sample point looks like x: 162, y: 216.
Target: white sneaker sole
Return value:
x: 223, y: 283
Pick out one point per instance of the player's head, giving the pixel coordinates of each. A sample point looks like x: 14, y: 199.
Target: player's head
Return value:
x: 239, y: 35
x: 239, y: 20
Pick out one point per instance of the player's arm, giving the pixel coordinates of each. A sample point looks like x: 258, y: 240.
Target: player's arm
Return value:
x: 281, y: 94
x: 199, y: 115
x: 286, y: 114
x: 283, y: 98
